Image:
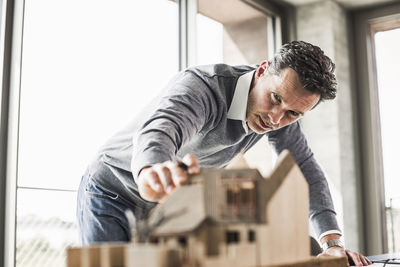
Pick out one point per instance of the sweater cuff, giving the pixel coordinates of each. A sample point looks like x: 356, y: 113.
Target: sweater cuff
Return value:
x: 325, y: 222
x: 145, y: 160
x: 328, y: 233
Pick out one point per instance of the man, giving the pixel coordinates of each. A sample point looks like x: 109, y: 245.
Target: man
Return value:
x: 206, y: 116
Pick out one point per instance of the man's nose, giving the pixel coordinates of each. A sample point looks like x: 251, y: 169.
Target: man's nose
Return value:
x: 275, y: 116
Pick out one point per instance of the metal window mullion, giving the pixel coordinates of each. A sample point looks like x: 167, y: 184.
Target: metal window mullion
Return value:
x: 5, y: 48
x: 182, y: 34
x: 187, y: 33
x: 278, y: 33
x: 11, y: 76
x: 271, y: 36
x: 192, y: 31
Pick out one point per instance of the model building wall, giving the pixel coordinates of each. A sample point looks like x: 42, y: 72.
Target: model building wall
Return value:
x: 285, y: 237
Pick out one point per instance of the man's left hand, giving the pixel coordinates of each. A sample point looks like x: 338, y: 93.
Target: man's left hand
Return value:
x: 357, y: 258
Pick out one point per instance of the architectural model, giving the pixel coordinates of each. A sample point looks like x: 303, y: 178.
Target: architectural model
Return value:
x: 220, y: 218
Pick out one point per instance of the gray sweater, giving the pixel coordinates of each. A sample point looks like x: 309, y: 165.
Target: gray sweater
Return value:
x: 191, y: 116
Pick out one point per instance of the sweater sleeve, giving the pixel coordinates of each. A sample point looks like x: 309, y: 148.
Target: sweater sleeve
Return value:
x: 182, y: 111
x: 322, y: 213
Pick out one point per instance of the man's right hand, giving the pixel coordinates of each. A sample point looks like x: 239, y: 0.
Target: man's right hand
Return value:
x: 158, y: 181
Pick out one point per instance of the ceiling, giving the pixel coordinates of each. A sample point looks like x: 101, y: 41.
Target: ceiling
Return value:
x: 227, y: 11
x: 233, y: 11
x: 350, y: 4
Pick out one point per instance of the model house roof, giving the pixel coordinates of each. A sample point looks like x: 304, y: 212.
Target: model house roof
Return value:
x: 183, y: 211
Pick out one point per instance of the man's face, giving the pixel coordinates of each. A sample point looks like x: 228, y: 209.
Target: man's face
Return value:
x: 277, y: 100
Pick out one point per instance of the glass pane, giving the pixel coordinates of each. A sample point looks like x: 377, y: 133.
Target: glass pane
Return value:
x: 88, y: 67
x: 388, y: 58
x: 209, y: 40
x: 230, y: 32
x: 45, y: 227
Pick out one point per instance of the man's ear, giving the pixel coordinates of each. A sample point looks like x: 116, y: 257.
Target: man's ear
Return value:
x: 262, y: 69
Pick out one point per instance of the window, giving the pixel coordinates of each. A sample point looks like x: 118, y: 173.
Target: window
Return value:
x: 232, y: 237
x: 372, y: 26
x: 240, y: 193
x: 247, y: 196
x: 251, y: 236
x: 154, y: 240
x: 232, y: 193
x: 239, y: 201
x: 387, y: 61
x: 182, y: 241
x: 87, y: 68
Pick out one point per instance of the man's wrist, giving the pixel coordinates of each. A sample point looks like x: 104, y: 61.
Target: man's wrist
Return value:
x: 329, y: 236
x: 332, y: 243
x: 331, y: 240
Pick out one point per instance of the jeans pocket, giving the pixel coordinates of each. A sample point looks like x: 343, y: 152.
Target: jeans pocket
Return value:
x: 94, y: 190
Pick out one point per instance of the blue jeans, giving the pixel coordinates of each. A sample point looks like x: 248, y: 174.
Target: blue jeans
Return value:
x: 101, y: 214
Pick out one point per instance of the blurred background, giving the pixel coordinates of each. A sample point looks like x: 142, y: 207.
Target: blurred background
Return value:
x: 74, y: 72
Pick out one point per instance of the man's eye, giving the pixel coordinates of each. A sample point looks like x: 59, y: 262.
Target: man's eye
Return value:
x: 277, y: 98
x: 293, y: 114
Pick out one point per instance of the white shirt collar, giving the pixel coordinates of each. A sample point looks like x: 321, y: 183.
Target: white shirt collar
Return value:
x: 237, y: 110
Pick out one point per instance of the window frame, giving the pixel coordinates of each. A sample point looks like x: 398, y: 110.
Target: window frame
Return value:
x: 365, y: 24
